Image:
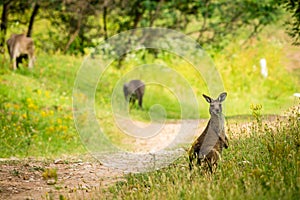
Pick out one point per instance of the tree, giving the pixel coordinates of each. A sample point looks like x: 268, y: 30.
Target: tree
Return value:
x: 75, y: 23
x: 18, y: 11
x: 209, y: 22
x: 75, y: 19
x: 293, y: 6
x: 32, y: 17
x: 4, y: 21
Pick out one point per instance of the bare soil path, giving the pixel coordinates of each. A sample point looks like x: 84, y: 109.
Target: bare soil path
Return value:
x: 80, y: 177
x: 76, y: 177
x: 28, y: 178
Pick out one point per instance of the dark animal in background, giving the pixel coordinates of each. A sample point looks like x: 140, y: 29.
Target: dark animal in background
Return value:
x: 208, y: 146
x: 134, y: 90
x: 19, y: 45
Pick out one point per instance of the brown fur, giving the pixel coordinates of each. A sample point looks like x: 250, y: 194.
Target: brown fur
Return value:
x: 19, y: 44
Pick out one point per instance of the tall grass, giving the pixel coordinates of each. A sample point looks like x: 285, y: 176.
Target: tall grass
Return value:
x: 262, y: 162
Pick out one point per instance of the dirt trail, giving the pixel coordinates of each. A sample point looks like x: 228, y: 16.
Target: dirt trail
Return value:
x: 24, y: 179
x: 77, y: 177
x: 80, y: 177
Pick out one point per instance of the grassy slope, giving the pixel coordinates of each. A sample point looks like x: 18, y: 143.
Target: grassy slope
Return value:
x: 36, y: 120
x: 36, y: 111
x: 261, y: 163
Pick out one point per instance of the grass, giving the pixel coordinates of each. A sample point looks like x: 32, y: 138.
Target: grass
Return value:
x: 246, y: 85
x: 36, y: 113
x: 262, y: 162
x: 263, y: 159
x: 36, y: 106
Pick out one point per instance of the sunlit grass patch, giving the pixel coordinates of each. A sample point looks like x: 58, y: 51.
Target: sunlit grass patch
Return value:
x: 39, y: 101
x: 264, y: 165
x: 36, y: 116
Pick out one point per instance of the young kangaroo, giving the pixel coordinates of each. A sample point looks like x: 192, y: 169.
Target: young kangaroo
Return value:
x: 208, y: 146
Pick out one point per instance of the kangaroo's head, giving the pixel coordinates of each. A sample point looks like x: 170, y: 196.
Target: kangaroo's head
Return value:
x: 215, y: 104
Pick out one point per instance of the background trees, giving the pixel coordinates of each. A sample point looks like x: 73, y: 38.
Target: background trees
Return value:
x: 71, y: 26
x: 293, y: 6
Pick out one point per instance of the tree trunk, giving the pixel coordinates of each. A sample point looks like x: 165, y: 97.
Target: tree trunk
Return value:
x: 73, y: 35
x: 34, y: 13
x: 3, y: 25
x: 104, y: 22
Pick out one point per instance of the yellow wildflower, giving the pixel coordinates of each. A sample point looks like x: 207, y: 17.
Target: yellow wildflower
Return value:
x: 39, y: 92
x: 16, y: 106
x: 47, y: 93
x: 29, y: 100
x: 63, y: 128
x: 59, y: 121
x: 24, y: 116
x: 7, y: 105
x: 43, y: 113
x: 51, y: 112
x: 51, y: 128
x: 32, y: 106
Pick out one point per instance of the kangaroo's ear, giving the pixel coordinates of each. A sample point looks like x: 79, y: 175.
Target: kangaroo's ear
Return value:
x: 207, y: 98
x: 222, y: 96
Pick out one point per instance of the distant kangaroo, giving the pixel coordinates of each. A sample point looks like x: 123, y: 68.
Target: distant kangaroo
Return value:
x: 134, y: 90
x: 19, y: 44
x: 208, y: 146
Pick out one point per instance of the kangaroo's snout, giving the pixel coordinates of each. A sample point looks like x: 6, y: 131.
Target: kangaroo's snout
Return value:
x: 215, y: 108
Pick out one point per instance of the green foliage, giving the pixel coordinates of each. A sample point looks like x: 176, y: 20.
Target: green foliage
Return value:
x: 293, y: 7
x: 240, y: 69
x: 75, y: 25
x: 256, y: 113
